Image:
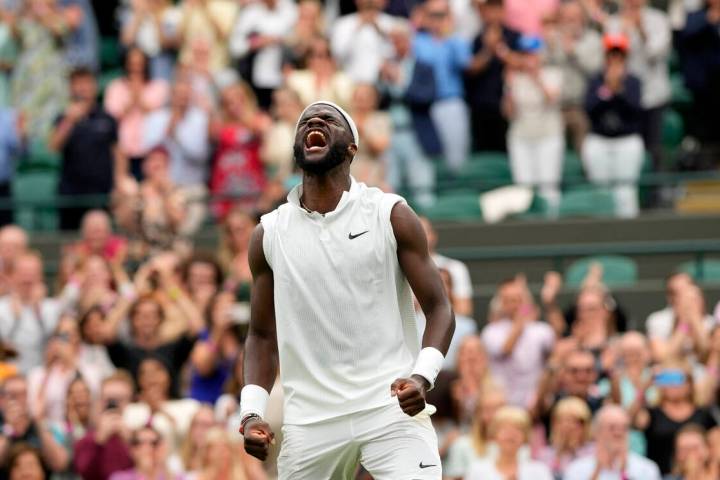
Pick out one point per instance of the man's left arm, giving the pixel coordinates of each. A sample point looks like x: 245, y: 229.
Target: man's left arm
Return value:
x: 424, y: 278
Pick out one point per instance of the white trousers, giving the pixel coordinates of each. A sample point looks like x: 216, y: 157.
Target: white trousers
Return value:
x: 538, y: 163
x: 388, y: 443
x: 616, y: 163
x: 452, y: 122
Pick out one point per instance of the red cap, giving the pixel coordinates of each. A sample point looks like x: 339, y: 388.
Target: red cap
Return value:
x: 616, y: 41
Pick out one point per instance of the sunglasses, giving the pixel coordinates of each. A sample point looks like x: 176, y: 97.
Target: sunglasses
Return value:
x: 438, y: 14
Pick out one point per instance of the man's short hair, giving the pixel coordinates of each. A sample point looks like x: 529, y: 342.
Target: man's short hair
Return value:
x: 81, y: 72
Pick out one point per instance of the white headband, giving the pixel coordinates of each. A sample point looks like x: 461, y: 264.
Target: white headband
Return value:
x: 346, y: 116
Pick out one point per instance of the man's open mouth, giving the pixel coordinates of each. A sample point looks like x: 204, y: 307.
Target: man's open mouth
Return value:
x: 315, y: 140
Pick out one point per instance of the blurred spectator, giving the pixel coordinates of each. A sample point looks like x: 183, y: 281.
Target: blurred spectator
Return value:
x: 209, y: 21
x: 104, y: 449
x: 535, y: 139
x: 464, y: 328
x: 577, y: 50
x: 474, y: 378
x: 48, y: 384
x: 699, y: 52
x: 152, y: 27
x: 202, y: 278
x: 13, y: 243
x: 257, y: 39
x: 204, y: 83
x: 27, y: 315
x: 277, y: 158
x: 648, y: 30
x: 320, y: 79
x: 8, y: 51
x: 526, y: 16
x: 310, y: 25
x: 97, y: 238
x: 12, y: 142
x: 410, y: 86
x: 375, y: 130
x: 359, y: 40
x: 223, y: 457
x: 517, y: 343
x: 594, y: 324
x: 149, y: 454
x: 93, y: 350
x: 660, y: 323
x: 612, y: 458
x: 233, y: 253
x: 450, y: 56
x: 492, y: 49
x: 25, y: 463
x: 237, y: 175
x: 510, y: 429
x: 130, y: 99
x: 94, y: 282
x: 692, y: 456
x: 193, y: 445
x: 182, y: 129
x: 570, y: 439
x: 83, y: 40
x: 86, y: 136
x: 39, y: 79
x: 613, y: 152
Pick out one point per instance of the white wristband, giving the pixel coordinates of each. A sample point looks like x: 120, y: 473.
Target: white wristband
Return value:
x: 428, y: 364
x: 253, y: 399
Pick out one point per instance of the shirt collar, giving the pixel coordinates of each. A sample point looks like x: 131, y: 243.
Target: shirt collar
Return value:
x: 347, y: 197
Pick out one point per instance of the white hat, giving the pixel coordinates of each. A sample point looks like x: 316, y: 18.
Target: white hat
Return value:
x: 346, y: 116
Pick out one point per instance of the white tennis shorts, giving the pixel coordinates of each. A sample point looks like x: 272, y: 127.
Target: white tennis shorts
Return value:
x: 388, y: 443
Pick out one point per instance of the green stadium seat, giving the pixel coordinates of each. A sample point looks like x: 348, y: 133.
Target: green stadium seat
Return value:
x: 680, y: 94
x: 617, y: 270
x: 673, y: 129
x: 573, y: 172
x: 587, y: 201
x: 455, y: 205
x: 481, y: 172
x: 110, y: 53
x: 34, y: 197
x: 39, y: 157
x: 708, y: 270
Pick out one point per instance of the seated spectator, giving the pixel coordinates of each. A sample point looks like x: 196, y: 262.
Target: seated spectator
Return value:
x: 13, y: 244
x: 692, y: 455
x: 613, y: 152
x: 570, y: 437
x: 152, y: 26
x: 310, y: 25
x: 211, y: 21
x: 74, y: 425
x: 192, y: 448
x: 612, y: 458
x: 202, y: 279
x: 12, y: 144
x: 237, y: 175
x: 577, y: 50
x: 39, y: 79
x: 276, y: 157
x: 25, y: 463
x: 359, y: 40
x: 86, y: 136
x: 517, y: 343
x: 233, y: 254
x: 535, y: 138
x: 320, y: 79
x: 130, y: 99
x: 97, y: 239
x: 450, y: 56
x: 104, y: 449
x: 83, y: 39
x: 149, y: 453
x: 527, y: 17
x: 474, y: 378
x: 223, y: 457
x: 27, y: 314
x: 410, y: 86
x: 676, y: 408
x: 375, y: 129
x: 648, y: 31
x: 510, y: 429
x: 257, y: 38
x: 492, y: 50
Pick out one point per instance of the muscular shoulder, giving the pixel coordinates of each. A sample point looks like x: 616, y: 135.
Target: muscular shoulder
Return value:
x: 256, y: 252
x: 407, y: 228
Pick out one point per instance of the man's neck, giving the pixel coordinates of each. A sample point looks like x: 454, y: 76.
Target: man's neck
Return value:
x: 322, y: 193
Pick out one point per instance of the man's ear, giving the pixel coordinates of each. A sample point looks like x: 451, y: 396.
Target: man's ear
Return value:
x: 352, y: 149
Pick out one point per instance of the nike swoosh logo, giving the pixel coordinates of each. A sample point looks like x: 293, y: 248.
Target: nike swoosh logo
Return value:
x: 427, y: 466
x: 353, y: 237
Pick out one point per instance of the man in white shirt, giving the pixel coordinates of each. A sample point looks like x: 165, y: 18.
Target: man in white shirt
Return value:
x: 334, y: 271
x: 360, y: 41
x: 27, y: 316
x: 613, y: 459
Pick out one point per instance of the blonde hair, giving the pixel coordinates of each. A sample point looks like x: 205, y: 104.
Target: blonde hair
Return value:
x: 479, y: 429
x: 573, y: 407
x: 513, y: 416
x: 220, y: 435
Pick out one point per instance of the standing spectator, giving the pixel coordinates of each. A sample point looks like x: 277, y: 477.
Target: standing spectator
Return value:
x: 39, y: 79
x: 320, y: 79
x: 277, y: 159
x: 310, y: 25
x: 449, y: 55
x: 492, y: 50
x: 12, y: 140
x: 517, y: 343
x: 648, y: 30
x: 612, y: 458
x: 83, y: 40
x: 13, y: 243
x: 535, y: 139
x: 237, y: 176
x: 410, y: 85
x: 527, y: 16
x: 577, y: 50
x: 27, y: 315
x: 152, y: 26
x: 182, y: 129
x: 259, y: 34
x: 375, y: 129
x: 692, y: 456
x: 613, y: 153
x: 130, y: 99
x: 359, y: 40
x: 208, y: 21
x: 86, y: 136
x: 149, y: 454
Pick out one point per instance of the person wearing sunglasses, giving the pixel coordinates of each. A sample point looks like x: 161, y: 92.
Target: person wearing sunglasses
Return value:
x: 150, y: 457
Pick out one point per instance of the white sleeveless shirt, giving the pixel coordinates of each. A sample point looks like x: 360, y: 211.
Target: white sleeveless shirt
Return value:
x: 344, y: 311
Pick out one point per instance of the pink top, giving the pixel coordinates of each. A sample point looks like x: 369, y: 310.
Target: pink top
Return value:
x: 154, y: 95
x: 526, y: 16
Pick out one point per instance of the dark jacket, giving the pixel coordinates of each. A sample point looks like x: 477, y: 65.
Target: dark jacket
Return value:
x: 419, y: 97
x: 614, y: 115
